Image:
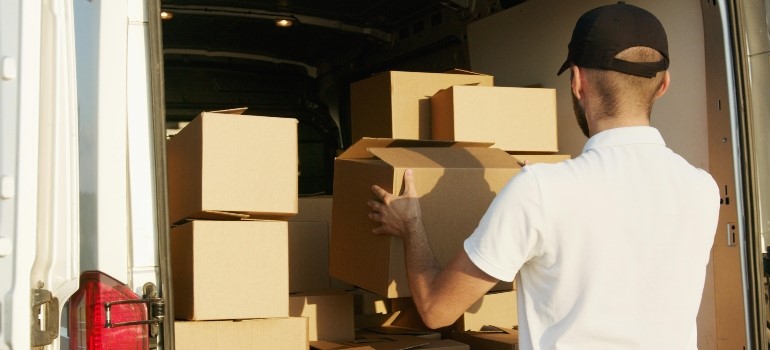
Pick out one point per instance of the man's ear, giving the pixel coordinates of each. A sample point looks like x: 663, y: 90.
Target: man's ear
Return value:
x: 576, y: 81
x: 663, y: 85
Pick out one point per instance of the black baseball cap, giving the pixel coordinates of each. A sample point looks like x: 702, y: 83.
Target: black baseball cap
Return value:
x: 603, y: 32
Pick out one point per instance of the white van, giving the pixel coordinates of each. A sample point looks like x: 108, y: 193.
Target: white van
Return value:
x: 88, y: 89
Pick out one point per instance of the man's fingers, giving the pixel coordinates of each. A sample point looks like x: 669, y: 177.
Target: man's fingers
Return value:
x: 379, y: 192
x: 379, y: 230
x: 409, y: 189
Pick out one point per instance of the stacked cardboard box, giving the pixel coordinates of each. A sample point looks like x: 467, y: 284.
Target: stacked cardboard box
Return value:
x: 457, y: 131
x: 515, y: 119
x: 309, y: 245
x: 397, y: 104
x: 232, y: 186
x: 497, y: 308
x: 316, y: 296
x: 490, y: 338
x: 330, y: 314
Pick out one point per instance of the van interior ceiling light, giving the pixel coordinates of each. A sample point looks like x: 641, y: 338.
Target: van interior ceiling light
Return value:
x: 165, y: 15
x: 283, y: 22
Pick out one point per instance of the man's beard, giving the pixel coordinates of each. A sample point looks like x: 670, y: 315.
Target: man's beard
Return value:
x: 580, y: 114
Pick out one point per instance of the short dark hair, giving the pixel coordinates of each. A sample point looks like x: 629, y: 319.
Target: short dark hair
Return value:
x: 616, y: 89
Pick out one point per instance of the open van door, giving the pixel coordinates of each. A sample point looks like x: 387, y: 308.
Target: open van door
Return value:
x: 746, y: 28
x: 39, y: 211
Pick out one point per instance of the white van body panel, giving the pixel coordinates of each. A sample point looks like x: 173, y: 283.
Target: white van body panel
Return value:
x: 40, y: 208
x: 101, y: 29
x: 141, y: 176
x: 117, y: 183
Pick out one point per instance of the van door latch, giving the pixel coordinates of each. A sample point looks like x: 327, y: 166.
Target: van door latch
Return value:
x: 45, y: 318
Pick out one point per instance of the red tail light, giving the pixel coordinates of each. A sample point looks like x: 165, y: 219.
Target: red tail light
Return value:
x: 89, y: 328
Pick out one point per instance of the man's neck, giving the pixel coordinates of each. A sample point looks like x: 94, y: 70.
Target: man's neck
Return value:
x: 597, y: 126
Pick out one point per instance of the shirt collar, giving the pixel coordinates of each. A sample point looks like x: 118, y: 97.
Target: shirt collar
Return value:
x: 625, y: 136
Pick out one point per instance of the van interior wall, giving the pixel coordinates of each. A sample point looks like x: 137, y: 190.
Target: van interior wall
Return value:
x: 525, y: 45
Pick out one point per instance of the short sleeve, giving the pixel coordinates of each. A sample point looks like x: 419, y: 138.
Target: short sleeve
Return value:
x: 510, y: 232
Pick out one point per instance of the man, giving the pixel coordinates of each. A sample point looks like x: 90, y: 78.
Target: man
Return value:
x: 610, y: 247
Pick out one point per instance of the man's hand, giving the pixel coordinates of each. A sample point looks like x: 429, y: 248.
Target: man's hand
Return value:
x: 397, y: 215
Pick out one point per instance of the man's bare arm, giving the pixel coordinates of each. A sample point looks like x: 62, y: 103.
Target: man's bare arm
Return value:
x: 441, y: 296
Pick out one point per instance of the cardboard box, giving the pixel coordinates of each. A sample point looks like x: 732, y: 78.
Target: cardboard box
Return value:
x: 446, y: 344
x: 330, y: 314
x: 368, y: 303
x: 515, y: 119
x: 314, y: 208
x: 540, y: 158
x: 309, y: 248
x: 498, y: 308
x: 398, y: 330
x: 397, y: 104
x: 389, y: 342
x: 279, y: 333
x: 230, y: 270
x: 374, y: 320
x: 308, y: 256
x: 224, y: 166
x: 380, y: 341
x: 496, y: 338
x: 328, y: 345
x: 395, y: 342
x: 455, y: 182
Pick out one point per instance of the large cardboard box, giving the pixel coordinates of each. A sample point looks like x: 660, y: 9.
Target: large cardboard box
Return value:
x: 493, y: 338
x: 314, y: 208
x: 256, y: 334
x: 230, y: 270
x: 455, y: 181
x: 515, y: 119
x: 330, y: 314
x: 397, y: 104
x: 308, y: 256
x: 540, y: 158
x: 309, y: 246
x: 497, y: 308
x: 328, y: 345
x: 368, y: 303
x: 225, y: 166
x: 394, y: 343
x: 390, y: 341
x: 446, y: 344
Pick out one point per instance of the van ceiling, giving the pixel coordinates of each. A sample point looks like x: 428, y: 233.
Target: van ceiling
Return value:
x: 325, y: 32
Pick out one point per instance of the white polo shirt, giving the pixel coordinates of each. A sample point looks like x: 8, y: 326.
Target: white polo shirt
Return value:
x: 611, y: 247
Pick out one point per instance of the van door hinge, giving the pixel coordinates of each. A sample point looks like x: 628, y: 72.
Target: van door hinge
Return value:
x: 45, y: 318
x: 156, y: 310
